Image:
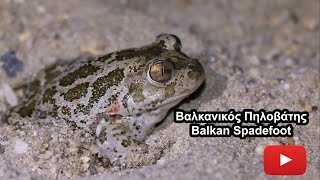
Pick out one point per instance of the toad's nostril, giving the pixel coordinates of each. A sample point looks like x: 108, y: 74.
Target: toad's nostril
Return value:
x: 193, y: 67
x: 193, y: 72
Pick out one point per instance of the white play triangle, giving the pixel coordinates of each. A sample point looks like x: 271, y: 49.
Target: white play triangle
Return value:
x: 284, y: 159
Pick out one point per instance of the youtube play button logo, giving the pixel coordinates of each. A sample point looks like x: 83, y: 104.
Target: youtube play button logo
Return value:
x: 285, y: 160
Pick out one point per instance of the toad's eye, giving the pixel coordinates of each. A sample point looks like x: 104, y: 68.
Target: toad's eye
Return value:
x: 161, y: 71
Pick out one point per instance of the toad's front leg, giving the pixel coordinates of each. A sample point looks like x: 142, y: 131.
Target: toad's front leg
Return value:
x: 119, y: 138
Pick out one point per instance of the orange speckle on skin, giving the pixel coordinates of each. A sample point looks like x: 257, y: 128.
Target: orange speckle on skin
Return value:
x: 113, y: 109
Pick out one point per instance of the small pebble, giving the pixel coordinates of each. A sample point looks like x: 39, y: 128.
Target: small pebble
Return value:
x: 41, y: 9
x: 25, y: 36
x: 7, y: 93
x: 93, y: 149
x: 296, y: 138
x: 253, y: 59
x: 47, y: 155
x: 291, y: 141
x: 253, y: 99
x: 86, y: 166
x: 310, y: 23
x: 11, y: 64
x: 260, y: 148
x: 308, y: 107
x: 286, y: 86
x: 212, y: 59
x: 72, y: 150
x: 20, y: 147
x: 34, y: 168
x: 161, y: 162
x: 279, y: 18
x: 85, y: 159
x: 314, y: 108
x: 90, y: 50
x: 2, y: 149
x: 93, y: 170
x: 54, y: 159
x: 289, y: 62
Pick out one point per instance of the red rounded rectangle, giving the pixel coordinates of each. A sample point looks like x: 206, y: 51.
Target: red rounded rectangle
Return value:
x: 285, y: 160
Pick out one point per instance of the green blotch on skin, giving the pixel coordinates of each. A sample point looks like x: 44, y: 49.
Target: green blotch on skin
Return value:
x: 93, y: 126
x: 82, y: 72
x: 27, y: 110
x: 82, y: 108
x: 51, y: 72
x: 66, y: 111
x: 170, y: 90
x: 102, y: 84
x: 105, y: 57
x: 137, y: 142
x: 102, y: 136
x: 34, y: 86
x: 121, y: 129
x: 113, y: 98
x: 77, y: 92
x: 54, y: 112
x: 101, y: 116
x: 136, y: 91
x: 151, y: 51
x: 32, y: 89
x: 48, y: 95
x: 137, y: 68
x: 177, y: 46
x: 126, y: 143
x: 42, y: 114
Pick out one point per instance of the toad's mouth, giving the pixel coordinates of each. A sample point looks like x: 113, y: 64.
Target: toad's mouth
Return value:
x: 173, y: 101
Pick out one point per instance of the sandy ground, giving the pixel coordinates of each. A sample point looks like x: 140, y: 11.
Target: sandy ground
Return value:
x: 257, y: 54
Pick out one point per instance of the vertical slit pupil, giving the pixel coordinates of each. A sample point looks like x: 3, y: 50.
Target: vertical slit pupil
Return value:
x: 162, y: 71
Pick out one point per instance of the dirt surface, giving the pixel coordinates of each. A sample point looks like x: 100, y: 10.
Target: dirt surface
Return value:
x: 257, y: 54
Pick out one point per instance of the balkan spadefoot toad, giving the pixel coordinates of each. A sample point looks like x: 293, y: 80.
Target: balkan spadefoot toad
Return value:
x: 118, y: 97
